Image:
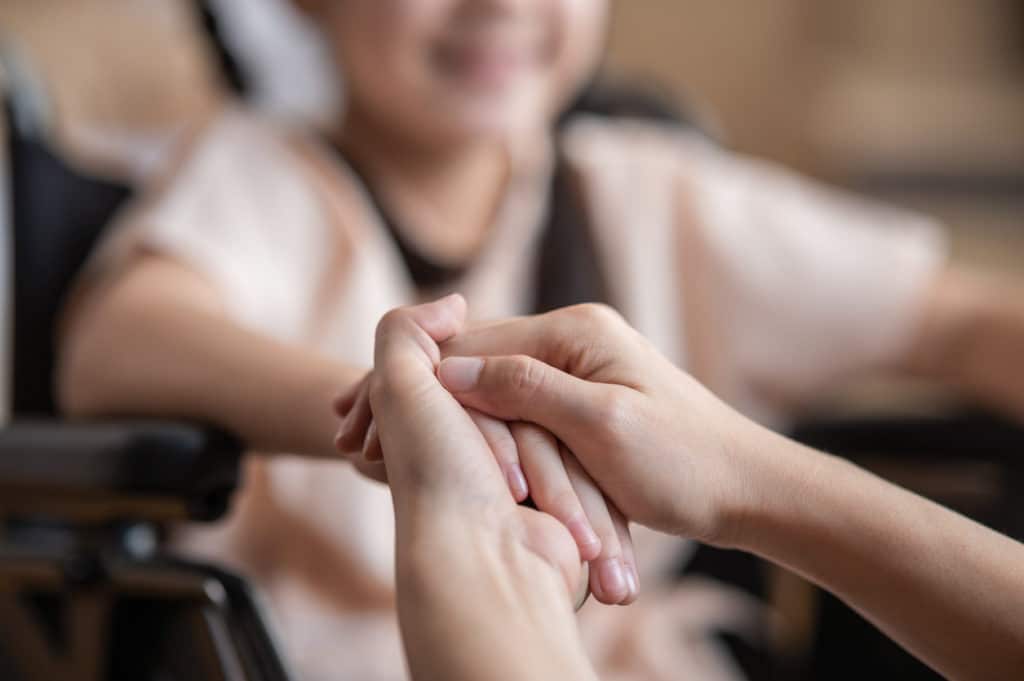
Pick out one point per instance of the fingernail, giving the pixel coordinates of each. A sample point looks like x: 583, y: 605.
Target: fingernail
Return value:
x: 585, y: 537
x: 371, y: 453
x: 613, y: 578
x: 460, y: 374
x: 632, y: 581
x: 517, y: 482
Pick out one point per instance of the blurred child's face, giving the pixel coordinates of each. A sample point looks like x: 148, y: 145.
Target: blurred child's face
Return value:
x: 457, y: 70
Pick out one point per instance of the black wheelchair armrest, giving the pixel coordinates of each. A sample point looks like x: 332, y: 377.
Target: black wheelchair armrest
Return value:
x: 958, y: 436
x: 103, y: 470
x: 971, y: 461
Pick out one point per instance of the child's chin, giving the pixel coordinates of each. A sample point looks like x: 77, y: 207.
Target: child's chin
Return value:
x: 500, y: 119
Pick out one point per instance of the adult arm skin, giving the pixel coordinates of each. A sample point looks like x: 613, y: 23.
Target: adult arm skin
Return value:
x: 971, y: 337
x: 484, y: 585
x: 672, y: 456
x: 155, y: 341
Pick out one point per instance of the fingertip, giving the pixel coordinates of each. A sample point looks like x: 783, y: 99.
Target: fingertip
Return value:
x: 633, y: 582
x: 449, y: 316
x: 612, y: 577
x: 456, y: 302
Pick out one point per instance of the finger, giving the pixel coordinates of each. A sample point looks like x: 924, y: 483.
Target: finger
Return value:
x: 352, y: 432
x: 628, y: 553
x: 541, y: 336
x: 374, y: 470
x: 608, y: 575
x: 521, y: 388
x: 372, y: 452
x: 550, y: 487
x: 343, y: 402
x: 431, y: 446
x: 506, y: 453
x: 416, y: 331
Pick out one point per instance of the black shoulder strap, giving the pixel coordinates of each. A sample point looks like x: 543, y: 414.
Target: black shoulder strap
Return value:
x: 568, y: 265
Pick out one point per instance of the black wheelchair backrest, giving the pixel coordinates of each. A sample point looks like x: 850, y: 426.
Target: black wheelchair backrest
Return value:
x: 57, y: 214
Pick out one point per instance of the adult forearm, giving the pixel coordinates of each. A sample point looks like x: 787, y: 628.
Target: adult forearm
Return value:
x: 946, y: 588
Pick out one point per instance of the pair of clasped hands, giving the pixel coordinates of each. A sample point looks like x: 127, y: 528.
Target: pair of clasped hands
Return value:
x: 573, y: 410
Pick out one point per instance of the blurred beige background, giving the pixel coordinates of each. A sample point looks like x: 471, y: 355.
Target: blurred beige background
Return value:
x: 892, y: 90
x: 832, y: 85
x: 843, y: 90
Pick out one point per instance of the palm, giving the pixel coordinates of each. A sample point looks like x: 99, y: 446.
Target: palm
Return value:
x: 549, y: 540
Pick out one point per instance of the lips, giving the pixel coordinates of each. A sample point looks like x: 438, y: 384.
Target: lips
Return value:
x: 485, y: 65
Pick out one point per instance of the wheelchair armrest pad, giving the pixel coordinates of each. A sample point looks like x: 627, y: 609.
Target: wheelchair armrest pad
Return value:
x: 162, y: 459
x: 963, y: 436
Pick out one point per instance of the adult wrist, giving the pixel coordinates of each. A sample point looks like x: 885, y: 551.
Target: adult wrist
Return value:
x: 777, y: 488
x: 456, y: 577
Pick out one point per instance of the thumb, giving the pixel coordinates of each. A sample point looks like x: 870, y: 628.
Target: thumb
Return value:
x: 521, y: 388
x: 408, y: 332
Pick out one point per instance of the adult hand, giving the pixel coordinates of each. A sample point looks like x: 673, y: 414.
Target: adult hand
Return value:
x: 672, y: 456
x: 660, y: 445
x: 473, y: 566
x: 535, y: 465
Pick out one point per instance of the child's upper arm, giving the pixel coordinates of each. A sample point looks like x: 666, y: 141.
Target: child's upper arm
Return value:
x: 239, y: 216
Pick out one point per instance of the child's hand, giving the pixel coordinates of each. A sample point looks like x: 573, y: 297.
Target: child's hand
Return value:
x: 535, y: 466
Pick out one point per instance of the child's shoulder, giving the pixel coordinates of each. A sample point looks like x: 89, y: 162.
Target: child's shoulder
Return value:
x: 233, y: 140
x: 248, y: 162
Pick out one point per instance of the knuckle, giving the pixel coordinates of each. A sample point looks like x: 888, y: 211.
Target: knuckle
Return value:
x: 391, y: 319
x: 595, y: 316
x: 557, y: 500
x: 393, y: 324
x: 613, y: 415
x: 525, y: 375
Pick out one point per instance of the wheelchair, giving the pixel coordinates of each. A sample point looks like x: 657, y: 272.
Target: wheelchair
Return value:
x: 87, y: 591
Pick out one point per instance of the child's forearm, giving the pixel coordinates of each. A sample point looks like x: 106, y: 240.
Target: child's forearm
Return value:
x: 948, y: 589
x: 972, y: 337
x: 158, y: 345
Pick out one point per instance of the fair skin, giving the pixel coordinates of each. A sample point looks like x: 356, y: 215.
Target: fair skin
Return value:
x: 469, y: 559
x: 439, y: 92
x: 673, y: 457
